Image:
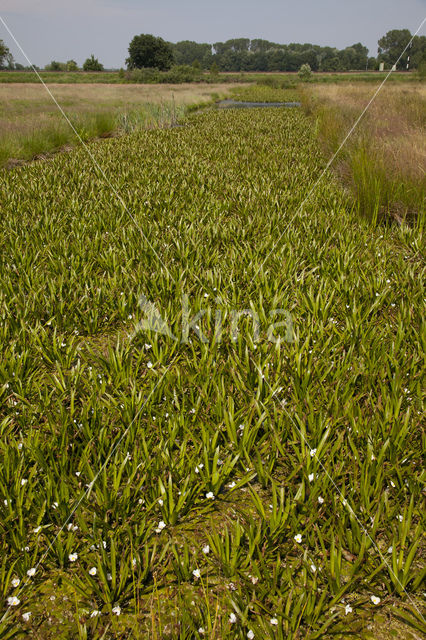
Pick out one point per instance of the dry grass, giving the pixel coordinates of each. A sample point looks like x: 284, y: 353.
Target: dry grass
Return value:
x: 31, y: 124
x: 387, y: 152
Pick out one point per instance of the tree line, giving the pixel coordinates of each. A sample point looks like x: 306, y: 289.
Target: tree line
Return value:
x: 242, y: 54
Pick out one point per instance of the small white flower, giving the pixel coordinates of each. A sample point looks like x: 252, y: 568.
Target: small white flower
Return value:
x: 160, y: 502
x: 312, y: 452
x: 206, y: 549
x: 78, y: 473
x: 250, y: 635
x: 15, y: 582
x: 210, y: 495
x: 392, y: 483
x: 20, y: 447
x: 37, y: 529
x: 231, y: 485
x: 232, y: 618
x: 13, y: 601
x: 201, y: 631
x: 274, y: 622
x: 23, y: 481
x: 26, y: 616
x: 161, y: 525
x: 298, y: 538
x: 311, y: 477
x: 375, y: 600
x: 31, y: 572
x: 400, y: 518
x: 93, y: 571
x: 320, y: 499
x: 116, y: 610
x: 109, y: 577
x: 95, y: 613
x: 5, y: 503
x: 390, y: 549
x: 196, y: 573
x: 313, y: 568
x: 348, y: 609
x: 73, y: 557
x: 149, y: 364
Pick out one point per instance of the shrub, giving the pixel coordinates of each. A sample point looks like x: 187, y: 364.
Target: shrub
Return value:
x: 305, y: 72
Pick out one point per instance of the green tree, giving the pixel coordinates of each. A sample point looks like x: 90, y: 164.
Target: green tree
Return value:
x: 305, y: 72
x: 214, y: 69
x: 72, y: 65
x: 5, y: 56
x: 56, y: 66
x: 392, y: 45
x: 92, y: 64
x: 148, y: 51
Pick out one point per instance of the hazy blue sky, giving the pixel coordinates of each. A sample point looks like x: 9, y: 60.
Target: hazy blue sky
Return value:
x: 64, y: 29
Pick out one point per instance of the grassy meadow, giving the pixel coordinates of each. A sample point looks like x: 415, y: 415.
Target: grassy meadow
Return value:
x: 383, y: 163
x: 255, y: 474
x: 31, y: 124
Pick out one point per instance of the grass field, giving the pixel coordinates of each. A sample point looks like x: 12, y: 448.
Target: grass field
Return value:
x: 384, y: 161
x: 31, y: 124
x: 223, y: 479
x: 114, y: 77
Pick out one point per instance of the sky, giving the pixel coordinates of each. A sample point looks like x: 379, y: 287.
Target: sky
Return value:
x: 74, y: 29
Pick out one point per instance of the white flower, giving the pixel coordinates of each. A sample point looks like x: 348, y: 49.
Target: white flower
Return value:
x: 196, y: 573
x: 274, y: 622
x: 109, y: 577
x: 232, y: 618
x: 23, y: 481
x: 320, y: 499
x: 73, y: 557
x: 231, y: 485
x: 298, y: 538
x: 78, y: 473
x: 13, y: 601
x: 20, y: 447
x: 311, y: 477
x: 313, y: 568
x: 149, y: 364
x: 31, y: 572
x: 161, y: 526
x: 93, y: 571
x: 250, y: 635
x: 26, y: 616
x: 198, y: 467
x: 390, y: 549
x: 160, y: 502
x: 134, y: 562
x: 201, y: 631
x: 37, y: 529
x: 348, y: 609
x: 95, y: 613
x: 400, y: 518
x: 15, y: 582
x: 210, y: 495
x: 313, y: 452
x: 375, y: 599
x: 206, y: 549
x: 116, y: 610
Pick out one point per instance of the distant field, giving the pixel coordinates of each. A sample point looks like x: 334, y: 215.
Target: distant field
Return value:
x: 31, y: 124
x: 113, y: 77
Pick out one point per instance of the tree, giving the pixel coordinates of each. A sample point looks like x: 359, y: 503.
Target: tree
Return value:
x: 72, y: 65
x: 56, y: 66
x: 5, y: 56
x: 305, y: 72
x: 151, y: 52
x: 392, y: 45
x: 92, y: 64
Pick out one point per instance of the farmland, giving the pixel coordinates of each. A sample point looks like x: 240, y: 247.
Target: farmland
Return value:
x: 220, y: 483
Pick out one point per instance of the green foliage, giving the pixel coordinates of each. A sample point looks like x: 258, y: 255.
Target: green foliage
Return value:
x: 305, y: 72
x: 92, y: 64
x: 72, y: 65
x: 147, y: 51
x: 5, y: 56
x: 267, y: 481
